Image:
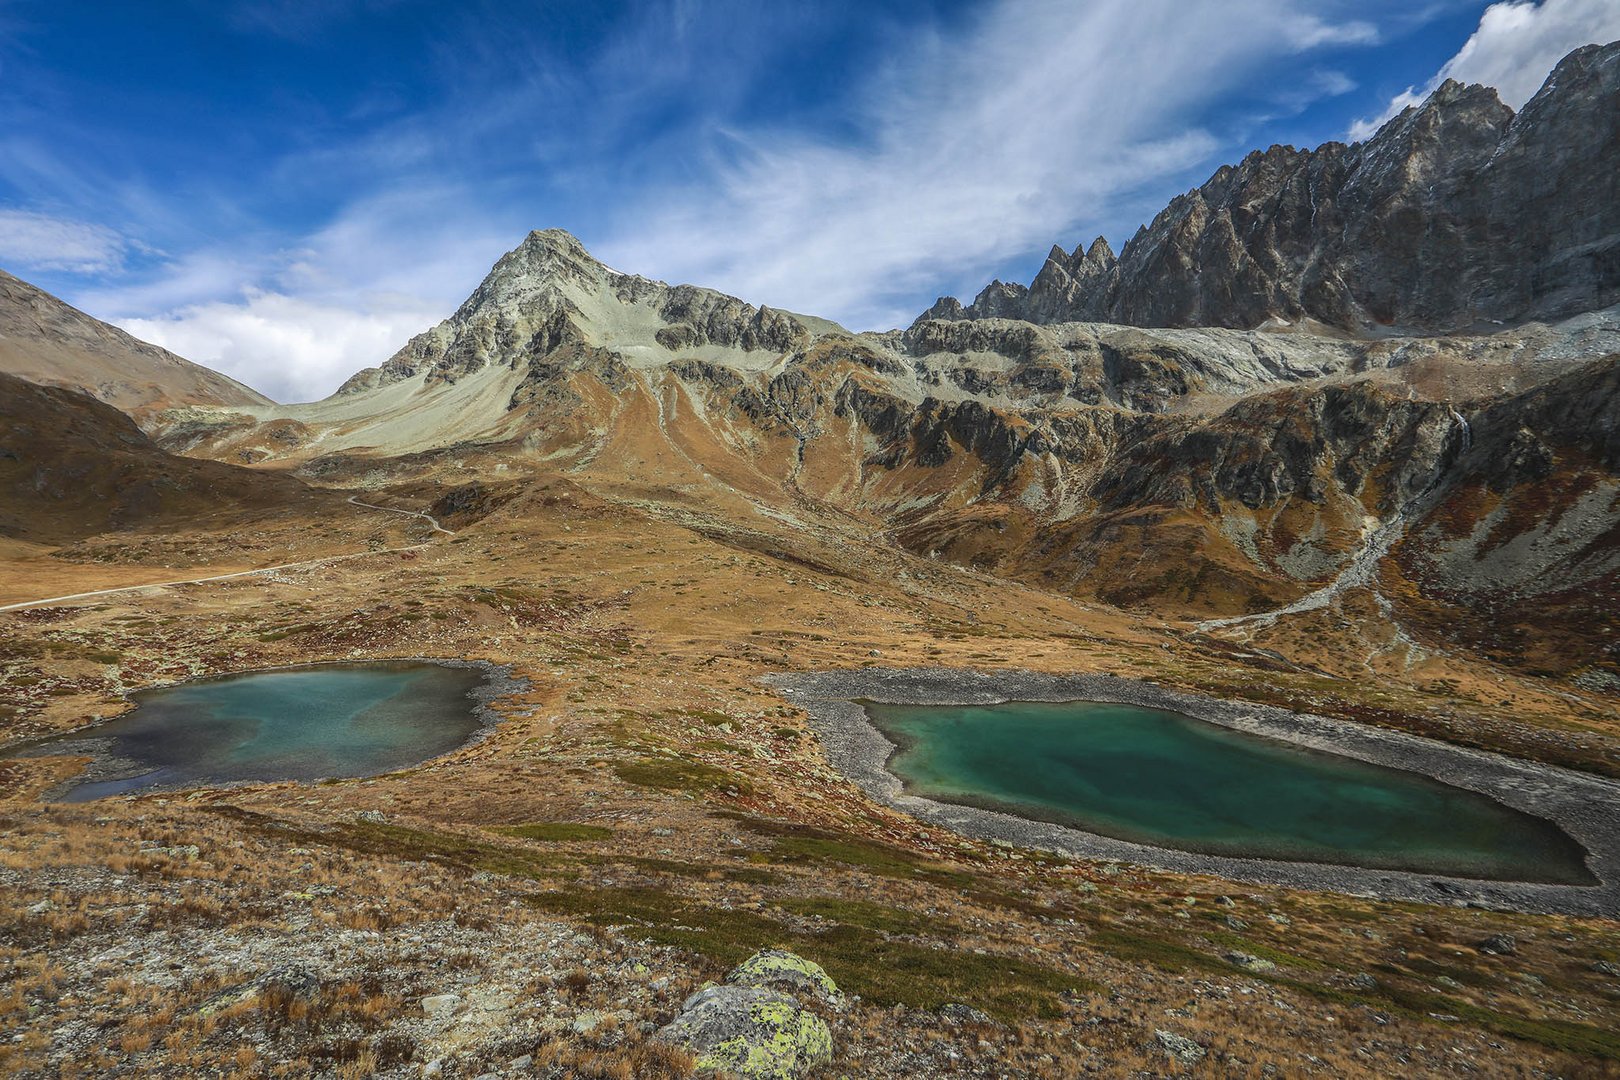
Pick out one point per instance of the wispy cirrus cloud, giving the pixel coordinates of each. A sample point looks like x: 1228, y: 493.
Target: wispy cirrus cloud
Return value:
x: 849, y: 160
x: 974, y: 146
x: 35, y: 241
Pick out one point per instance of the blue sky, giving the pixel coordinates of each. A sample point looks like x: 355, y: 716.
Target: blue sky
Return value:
x: 288, y: 190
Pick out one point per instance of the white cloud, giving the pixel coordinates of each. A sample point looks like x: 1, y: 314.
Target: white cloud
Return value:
x: 346, y: 298
x: 31, y: 241
x: 1516, y: 46
x: 287, y: 347
x: 1310, y: 32
x: 976, y: 148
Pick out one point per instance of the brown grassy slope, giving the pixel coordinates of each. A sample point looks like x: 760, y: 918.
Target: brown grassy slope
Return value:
x: 71, y: 467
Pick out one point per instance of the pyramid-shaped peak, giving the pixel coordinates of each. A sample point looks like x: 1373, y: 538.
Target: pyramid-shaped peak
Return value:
x: 555, y: 240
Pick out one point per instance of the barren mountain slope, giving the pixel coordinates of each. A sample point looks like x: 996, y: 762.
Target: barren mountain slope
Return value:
x: 46, y: 341
x: 1205, y: 472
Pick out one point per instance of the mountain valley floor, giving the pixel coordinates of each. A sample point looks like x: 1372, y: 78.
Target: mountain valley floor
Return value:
x: 650, y: 810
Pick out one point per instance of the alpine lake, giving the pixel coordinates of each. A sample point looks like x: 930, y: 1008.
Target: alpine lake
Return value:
x: 1163, y: 779
x: 306, y: 723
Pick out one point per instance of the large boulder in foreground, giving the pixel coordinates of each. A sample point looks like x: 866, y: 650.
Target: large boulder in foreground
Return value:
x: 753, y: 1033
x: 751, y: 1028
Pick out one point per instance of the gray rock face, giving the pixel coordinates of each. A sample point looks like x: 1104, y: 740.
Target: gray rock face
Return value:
x: 1456, y: 213
x: 1179, y: 1047
x: 1250, y: 963
x: 752, y: 1027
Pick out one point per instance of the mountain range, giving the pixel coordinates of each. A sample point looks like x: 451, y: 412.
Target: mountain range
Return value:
x: 1380, y: 375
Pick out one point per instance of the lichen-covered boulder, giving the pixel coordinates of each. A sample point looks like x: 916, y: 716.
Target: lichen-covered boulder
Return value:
x: 777, y: 969
x: 751, y: 1032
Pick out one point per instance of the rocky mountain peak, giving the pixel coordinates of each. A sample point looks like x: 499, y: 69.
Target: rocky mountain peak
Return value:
x: 1099, y: 252
x: 549, y: 291
x: 1456, y: 215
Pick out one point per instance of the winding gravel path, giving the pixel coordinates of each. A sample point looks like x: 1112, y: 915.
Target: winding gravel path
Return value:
x: 247, y: 573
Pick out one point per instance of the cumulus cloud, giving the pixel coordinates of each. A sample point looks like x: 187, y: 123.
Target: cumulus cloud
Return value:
x: 1516, y: 46
x: 32, y: 241
x: 289, y: 348
x: 977, y: 147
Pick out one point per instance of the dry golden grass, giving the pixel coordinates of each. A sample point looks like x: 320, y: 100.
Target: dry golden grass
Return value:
x: 644, y: 640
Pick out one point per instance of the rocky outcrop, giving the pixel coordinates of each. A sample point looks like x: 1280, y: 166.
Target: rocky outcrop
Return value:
x: 1456, y: 214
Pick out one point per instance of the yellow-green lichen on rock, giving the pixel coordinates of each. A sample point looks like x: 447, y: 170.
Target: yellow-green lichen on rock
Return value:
x: 750, y: 1032
x: 778, y: 969
x: 795, y: 1041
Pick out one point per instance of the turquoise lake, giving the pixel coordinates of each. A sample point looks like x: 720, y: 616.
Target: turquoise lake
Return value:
x: 1169, y: 780
x: 308, y: 723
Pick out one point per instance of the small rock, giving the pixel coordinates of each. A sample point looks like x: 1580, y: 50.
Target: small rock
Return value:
x: 372, y: 817
x: 586, y: 1022
x: 188, y: 852
x: 291, y: 980
x: 1226, y: 901
x: 1179, y: 1047
x: 957, y: 1013
x: 437, y: 1006
x: 756, y: 1034
x: 1499, y: 945
x: 1361, y: 980
x: 1604, y: 967
x: 522, y: 1063
x: 777, y: 969
x: 1249, y: 962
x: 41, y: 908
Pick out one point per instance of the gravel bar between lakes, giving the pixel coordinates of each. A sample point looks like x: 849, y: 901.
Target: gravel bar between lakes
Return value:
x: 1586, y: 807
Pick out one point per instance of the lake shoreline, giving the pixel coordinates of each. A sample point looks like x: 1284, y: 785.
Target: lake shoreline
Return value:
x: 103, y: 766
x: 1586, y: 807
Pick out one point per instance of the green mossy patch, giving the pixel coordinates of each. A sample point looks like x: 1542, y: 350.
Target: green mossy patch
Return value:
x: 863, y: 913
x: 860, y: 960
x: 555, y: 831
x: 795, y: 844
x: 676, y: 774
